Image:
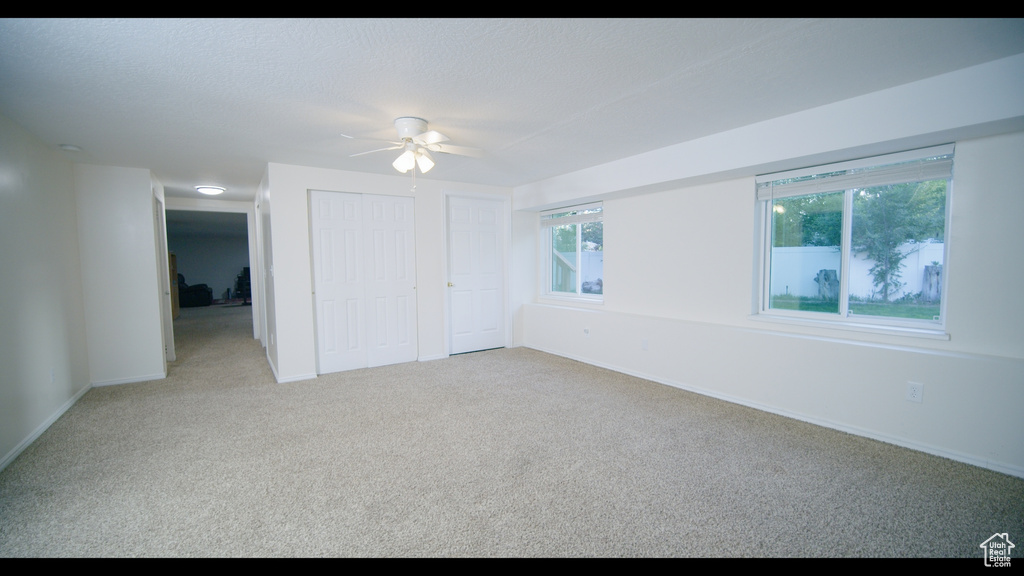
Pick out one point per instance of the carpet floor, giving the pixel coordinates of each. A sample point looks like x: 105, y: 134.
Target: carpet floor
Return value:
x: 503, y: 453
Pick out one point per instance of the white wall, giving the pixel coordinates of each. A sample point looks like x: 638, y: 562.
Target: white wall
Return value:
x: 43, y: 357
x: 290, y: 308
x: 695, y: 313
x: 523, y: 279
x: 117, y: 250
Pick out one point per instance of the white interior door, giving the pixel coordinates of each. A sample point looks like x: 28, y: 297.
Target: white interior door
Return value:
x: 163, y: 280
x: 476, y: 272
x: 364, y: 280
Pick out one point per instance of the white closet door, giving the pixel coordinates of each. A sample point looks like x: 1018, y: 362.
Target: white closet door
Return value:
x: 390, y: 279
x: 364, y: 280
x: 476, y: 271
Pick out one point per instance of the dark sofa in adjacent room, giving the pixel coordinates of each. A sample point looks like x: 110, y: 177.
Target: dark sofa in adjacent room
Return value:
x: 193, y: 296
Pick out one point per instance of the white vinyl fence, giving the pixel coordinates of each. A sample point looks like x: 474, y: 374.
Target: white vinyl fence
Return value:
x: 795, y: 268
x: 592, y: 263
x: 563, y: 274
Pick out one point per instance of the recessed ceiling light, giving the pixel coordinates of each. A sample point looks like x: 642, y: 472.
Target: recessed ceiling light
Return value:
x: 210, y: 190
x: 70, y: 147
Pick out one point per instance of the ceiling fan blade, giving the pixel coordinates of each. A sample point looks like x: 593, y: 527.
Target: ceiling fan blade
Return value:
x: 430, y: 137
x: 459, y: 150
x: 396, y: 147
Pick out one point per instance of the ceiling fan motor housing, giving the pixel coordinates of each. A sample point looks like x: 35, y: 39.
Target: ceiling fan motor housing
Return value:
x: 410, y: 126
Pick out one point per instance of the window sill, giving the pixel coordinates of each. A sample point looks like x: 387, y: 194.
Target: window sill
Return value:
x: 570, y: 299
x: 911, y: 331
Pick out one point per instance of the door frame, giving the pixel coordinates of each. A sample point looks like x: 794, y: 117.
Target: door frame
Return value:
x: 506, y: 254
x: 255, y: 263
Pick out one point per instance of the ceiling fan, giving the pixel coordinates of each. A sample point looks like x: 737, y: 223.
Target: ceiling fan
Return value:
x: 418, y: 142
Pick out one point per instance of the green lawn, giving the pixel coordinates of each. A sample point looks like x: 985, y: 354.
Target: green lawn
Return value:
x: 895, y: 310
x: 808, y: 304
x: 875, y: 308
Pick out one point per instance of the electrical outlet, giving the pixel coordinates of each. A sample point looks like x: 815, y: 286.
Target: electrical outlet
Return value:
x: 586, y: 331
x: 915, y: 391
x: 643, y: 344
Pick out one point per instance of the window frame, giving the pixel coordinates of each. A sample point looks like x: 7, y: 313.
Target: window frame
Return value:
x: 850, y: 175
x: 549, y: 221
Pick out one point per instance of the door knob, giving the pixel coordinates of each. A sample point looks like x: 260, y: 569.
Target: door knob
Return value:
x: 450, y: 284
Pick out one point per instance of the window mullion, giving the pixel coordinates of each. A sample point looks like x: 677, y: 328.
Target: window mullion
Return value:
x: 766, y: 256
x: 579, y: 258
x: 549, y: 246
x: 844, y: 248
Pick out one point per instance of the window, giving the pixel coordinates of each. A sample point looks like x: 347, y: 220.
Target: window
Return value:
x: 860, y: 242
x: 573, y: 242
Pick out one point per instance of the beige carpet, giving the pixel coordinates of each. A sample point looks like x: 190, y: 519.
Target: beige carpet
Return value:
x: 508, y: 452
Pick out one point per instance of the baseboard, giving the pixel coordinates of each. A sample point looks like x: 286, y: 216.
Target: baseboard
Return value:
x: 433, y: 357
x: 902, y: 442
x: 151, y: 377
x: 17, y: 450
x: 298, y: 378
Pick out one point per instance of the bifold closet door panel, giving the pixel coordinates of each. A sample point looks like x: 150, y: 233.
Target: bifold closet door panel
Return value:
x: 339, y: 280
x: 390, y: 257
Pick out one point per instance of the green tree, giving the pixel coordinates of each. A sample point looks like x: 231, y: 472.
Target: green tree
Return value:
x: 810, y: 220
x: 564, y: 238
x: 887, y: 217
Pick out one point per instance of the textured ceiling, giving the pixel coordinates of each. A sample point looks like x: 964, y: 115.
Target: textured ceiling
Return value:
x: 212, y: 101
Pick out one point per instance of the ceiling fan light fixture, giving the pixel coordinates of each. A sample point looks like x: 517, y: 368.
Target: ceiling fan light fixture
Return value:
x: 424, y: 161
x: 210, y: 190
x: 405, y: 162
